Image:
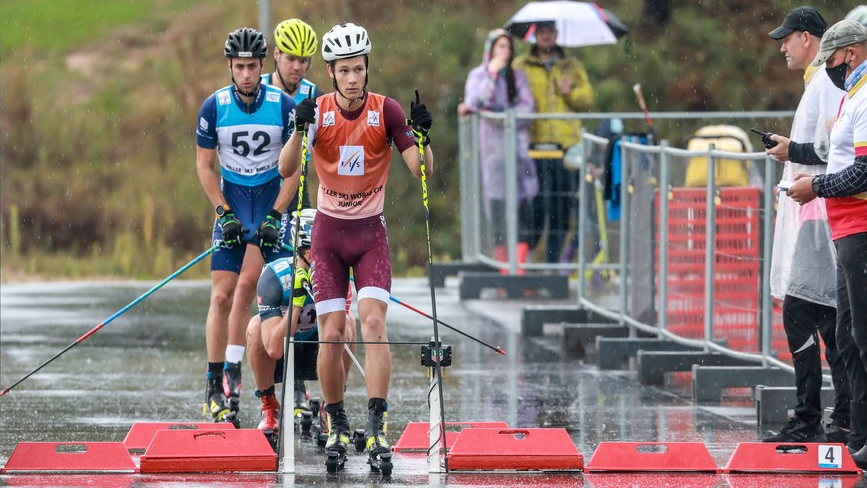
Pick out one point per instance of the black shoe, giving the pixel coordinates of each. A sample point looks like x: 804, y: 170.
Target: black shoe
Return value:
x: 833, y: 433
x: 796, y: 430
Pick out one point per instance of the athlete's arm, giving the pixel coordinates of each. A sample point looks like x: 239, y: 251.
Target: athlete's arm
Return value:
x: 410, y: 157
x: 290, y: 158
x: 397, y: 130
x: 206, y: 151
x: 209, y: 174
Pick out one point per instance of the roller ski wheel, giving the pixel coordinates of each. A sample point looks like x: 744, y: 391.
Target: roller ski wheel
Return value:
x: 334, y: 461
x: 359, y: 440
x: 381, y: 462
x: 306, y: 423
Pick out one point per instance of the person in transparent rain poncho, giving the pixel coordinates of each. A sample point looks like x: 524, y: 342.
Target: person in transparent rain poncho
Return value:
x: 495, y: 86
x: 803, y: 256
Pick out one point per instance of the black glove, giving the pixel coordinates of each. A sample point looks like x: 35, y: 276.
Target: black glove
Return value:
x: 419, y: 118
x: 305, y: 113
x: 269, y: 231
x: 231, y: 227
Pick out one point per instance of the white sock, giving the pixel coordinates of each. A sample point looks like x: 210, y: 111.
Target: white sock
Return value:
x: 234, y: 354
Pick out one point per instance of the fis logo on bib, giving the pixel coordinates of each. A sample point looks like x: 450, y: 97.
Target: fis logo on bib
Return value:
x: 373, y: 118
x: 351, y: 161
x: 272, y: 97
x: 223, y: 98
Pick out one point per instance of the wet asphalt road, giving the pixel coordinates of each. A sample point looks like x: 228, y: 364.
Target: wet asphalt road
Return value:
x: 149, y: 364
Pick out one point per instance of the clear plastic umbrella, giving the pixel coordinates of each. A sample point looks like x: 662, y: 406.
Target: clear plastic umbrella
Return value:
x: 578, y: 23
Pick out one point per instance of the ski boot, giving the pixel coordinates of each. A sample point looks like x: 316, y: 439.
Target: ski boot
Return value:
x: 338, y: 440
x: 232, y: 385
x: 216, y: 408
x: 270, y: 423
x: 378, y: 450
x: 303, y: 414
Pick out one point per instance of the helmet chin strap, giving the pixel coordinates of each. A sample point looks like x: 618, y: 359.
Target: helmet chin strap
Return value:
x: 282, y: 81
x: 251, y: 94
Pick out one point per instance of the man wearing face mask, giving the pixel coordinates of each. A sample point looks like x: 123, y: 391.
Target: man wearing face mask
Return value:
x: 843, y: 50
x: 803, y: 255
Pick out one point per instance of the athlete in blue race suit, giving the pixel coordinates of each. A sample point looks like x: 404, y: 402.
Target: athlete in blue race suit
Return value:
x: 246, y: 125
x: 266, y: 332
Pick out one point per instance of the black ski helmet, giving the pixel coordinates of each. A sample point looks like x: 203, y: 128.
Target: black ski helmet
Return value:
x: 245, y: 43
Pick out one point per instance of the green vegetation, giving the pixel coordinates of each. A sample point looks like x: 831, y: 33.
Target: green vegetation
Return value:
x: 99, y: 102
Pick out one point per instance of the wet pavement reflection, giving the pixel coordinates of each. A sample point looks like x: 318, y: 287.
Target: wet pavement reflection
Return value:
x: 149, y: 365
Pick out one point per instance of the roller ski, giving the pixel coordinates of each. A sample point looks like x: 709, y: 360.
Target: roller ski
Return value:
x: 216, y: 408
x: 232, y: 386
x: 378, y: 450
x: 338, y: 440
x: 303, y: 412
x: 270, y: 423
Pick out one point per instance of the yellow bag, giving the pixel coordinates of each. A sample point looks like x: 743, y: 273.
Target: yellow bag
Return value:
x: 727, y: 172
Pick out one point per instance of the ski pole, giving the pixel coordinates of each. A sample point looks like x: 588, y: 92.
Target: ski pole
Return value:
x: 289, y: 461
x: 496, y: 349
x: 424, y: 198
x: 345, y: 346
x: 116, y: 315
x: 399, y: 302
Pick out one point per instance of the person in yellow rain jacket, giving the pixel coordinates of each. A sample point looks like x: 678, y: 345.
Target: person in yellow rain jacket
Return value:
x: 560, y: 85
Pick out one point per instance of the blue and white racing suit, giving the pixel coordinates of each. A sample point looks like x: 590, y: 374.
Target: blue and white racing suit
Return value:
x: 248, y: 140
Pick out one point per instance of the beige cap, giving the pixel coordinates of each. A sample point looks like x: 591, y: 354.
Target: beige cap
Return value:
x: 842, y: 34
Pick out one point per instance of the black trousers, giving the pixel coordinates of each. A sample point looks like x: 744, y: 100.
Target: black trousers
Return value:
x: 497, y: 221
x: 552, y: 207
x: 852, y: 324
x: 804, y: 321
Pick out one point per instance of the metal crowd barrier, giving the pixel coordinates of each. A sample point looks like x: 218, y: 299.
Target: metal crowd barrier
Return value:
x: 659, y: 277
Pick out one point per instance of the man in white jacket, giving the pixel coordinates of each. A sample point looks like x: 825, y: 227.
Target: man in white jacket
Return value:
x: 803, y: 259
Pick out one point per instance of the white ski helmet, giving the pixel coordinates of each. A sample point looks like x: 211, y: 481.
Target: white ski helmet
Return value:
x: 345, y: 40
x: 305, y: 229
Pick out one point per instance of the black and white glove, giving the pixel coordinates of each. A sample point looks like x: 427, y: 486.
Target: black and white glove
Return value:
x: 420, y: 120
x: 305, y: 114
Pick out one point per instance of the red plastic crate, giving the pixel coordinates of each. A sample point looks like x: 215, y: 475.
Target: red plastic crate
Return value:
x: 515, y: 449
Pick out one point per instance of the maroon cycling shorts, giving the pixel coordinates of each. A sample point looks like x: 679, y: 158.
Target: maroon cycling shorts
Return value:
x: 341, y: 244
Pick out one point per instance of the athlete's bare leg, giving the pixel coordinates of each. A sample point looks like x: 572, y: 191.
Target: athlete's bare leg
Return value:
x: 377, y: 357
x: 330, y: 367
x: 217, y: 324
x: 261, y: 363
x: 245, y: 295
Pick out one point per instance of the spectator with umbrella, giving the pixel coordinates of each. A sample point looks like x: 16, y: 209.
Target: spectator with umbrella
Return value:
x: 559, y: 84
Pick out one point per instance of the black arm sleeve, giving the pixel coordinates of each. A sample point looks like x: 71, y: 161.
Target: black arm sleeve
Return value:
x: 850, y: 181
x: 804, y: 153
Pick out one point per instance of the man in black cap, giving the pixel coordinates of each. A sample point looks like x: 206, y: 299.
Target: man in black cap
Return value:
x: 803, y: 255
